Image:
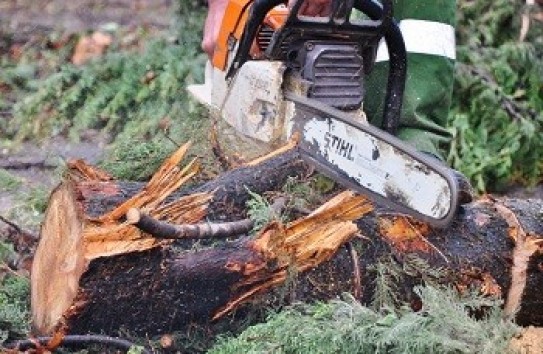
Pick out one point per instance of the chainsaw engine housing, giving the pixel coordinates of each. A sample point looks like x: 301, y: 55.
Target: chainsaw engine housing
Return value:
x: 335, y: 73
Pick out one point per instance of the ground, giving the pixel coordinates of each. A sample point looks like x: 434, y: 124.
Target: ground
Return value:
x: 29, y: 16
x: 28, y: 20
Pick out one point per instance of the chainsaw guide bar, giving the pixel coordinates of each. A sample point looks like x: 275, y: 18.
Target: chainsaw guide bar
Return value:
x: 375, y: 163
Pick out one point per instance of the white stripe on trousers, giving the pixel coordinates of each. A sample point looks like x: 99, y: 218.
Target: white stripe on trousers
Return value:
x: 424, y: 37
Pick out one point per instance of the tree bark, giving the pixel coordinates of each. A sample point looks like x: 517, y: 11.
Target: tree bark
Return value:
x: 119, y: 279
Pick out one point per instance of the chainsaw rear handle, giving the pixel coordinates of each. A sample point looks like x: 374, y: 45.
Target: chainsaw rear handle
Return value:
x: 382, y: 24
x: 397, y: 66
x: 340, y: 14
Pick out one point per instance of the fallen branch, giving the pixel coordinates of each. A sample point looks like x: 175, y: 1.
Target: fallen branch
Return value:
x: 23, y: 164
x: 12, y: 224
x: 164, y: 230
x: 513, y: 108
x: 24, y: 244
x: 74, y: 341
x: 357, y: 277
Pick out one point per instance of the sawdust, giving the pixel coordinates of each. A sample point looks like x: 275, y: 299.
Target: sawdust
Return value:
x: 92, y: 46
x: 530, y: 341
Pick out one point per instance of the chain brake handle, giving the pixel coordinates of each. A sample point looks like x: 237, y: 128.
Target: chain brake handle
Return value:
x: 381, y: 24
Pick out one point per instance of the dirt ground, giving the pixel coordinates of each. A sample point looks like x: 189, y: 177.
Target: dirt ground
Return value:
x: 26, y: 16
x: 36, y: 164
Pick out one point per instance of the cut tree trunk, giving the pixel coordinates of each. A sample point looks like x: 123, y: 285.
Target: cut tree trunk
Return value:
x: 84, y: 228
x: 93, y: 272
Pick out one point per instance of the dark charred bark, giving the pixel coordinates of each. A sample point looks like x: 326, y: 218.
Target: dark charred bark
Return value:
x: 476, y: 251
x: 157, y: 291
x: 230, y: 189
x: 163, y: 290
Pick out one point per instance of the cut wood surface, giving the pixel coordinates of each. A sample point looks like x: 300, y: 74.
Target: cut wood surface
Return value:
x: 93, y: 272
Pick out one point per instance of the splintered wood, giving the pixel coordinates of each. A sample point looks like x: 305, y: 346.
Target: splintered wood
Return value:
x: 70, y: 239
x: 526, y: 245
x: 89, y: 254
x: 108, y: 235
x: 59, y: 260
x: 301, y: 245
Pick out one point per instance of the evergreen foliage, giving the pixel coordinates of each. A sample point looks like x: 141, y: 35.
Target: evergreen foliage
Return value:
x: 14, y: 77
x: 138, y: 98
x: 307, y: 193
x: 6, y: 251
x: 497, y: 115
x: 29, y: 206
x: 8, y: 182
x: 443, y: 325
x: 137, y: 160
x: 385, y: 281
x: 260, y: 211
x: 121, y: 93
x: 14, y: 307
x: 14, y: 300
x: 23, y: 66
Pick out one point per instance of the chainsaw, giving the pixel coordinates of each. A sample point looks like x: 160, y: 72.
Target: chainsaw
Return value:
x: 275, y: 73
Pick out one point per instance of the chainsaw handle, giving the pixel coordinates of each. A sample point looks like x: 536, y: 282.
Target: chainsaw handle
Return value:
x: 341, y: 11
x: 397, y: 72
x: 258, y: 12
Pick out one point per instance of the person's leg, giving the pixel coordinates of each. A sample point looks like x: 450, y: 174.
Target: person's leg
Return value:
x: 428, y: 29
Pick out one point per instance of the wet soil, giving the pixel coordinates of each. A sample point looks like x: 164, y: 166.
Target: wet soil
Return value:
x: 37, y: 165
x: 28, y: 16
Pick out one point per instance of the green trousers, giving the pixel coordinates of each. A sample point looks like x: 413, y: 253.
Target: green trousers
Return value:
x: 428, y: 30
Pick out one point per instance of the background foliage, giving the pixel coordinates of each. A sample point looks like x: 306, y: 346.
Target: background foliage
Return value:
x: 497, y: 113
x: 14, y: 299
x: 136, y: 97
x: 443, y: 325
